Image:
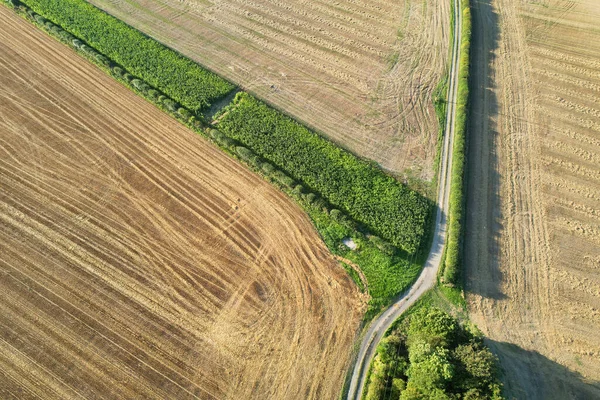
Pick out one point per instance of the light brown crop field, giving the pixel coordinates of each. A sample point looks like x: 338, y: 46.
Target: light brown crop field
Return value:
x: 361, y: 72
x: 533, y: 232
x: 139, y: 261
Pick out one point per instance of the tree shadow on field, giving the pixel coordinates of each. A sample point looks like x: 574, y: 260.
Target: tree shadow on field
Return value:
x: 483, y: 213
x: 529, y: 375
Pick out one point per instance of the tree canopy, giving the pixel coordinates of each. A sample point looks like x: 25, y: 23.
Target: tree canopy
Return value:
x: 430, y: 356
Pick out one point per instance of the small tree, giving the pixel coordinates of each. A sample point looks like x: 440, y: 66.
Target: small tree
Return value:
x: 432, y: 326
x: 65, y: 36
x: 244, y: 153
x: 103, y: 60
x: 170, y: 105
x: 268, y: 168
x: 184, y: 113
x: 221, y: 139
x: 140, y: 85
x: 118, y: 71
x: 152, y: 94
x: 298, y: 189
x: 310, y: 198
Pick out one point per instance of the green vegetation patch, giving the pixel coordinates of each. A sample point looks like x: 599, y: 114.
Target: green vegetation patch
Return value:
x: 359, y: 188
x: 178, y: 77
x: 388, y: 270
x: 354, y: 275
x: 429, y: 355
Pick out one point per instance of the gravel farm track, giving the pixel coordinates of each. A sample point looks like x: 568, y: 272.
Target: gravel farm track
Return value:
x: 139, y: 261
x: 532, y: 245
x: 361, y: 72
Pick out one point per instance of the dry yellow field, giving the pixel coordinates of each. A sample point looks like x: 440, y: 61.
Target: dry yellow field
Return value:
x: 533, y: 230
x: 361, y: 72
x: 138, y: 261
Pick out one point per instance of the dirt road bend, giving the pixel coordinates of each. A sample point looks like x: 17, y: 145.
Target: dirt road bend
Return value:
x: 428, y: 276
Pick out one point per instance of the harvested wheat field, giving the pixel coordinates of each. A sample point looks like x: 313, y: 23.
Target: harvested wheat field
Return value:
x: 533, y: 230
x: 361, y: 72
x: 138, y: 261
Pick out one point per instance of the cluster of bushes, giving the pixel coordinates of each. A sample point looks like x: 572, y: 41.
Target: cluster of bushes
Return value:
x: 359, y: 188
x: 430, y: 356
x: 178, y: 77
x: 451, y: 272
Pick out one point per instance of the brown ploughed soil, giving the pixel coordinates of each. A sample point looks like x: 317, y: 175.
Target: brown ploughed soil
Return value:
x: 361, y: 72
x: 138, y: 261
x: 533, y: 213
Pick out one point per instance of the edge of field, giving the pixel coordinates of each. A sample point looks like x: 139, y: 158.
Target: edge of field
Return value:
x: 375, y: 253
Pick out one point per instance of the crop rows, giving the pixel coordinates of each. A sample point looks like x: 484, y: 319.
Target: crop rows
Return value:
x: 180, y: 78
x: 139, y: 261
x: 362, y: 190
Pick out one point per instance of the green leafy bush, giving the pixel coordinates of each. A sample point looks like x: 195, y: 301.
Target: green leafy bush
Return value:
x: 430, y: 356
x: 357, y: 187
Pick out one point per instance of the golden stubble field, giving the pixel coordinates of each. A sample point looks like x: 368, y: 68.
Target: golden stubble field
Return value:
x: 361, y: 72
x: 138, y: 261
x: 533, y: 230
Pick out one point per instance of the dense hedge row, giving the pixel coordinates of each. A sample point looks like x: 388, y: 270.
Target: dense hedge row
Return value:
x: 359, y: 188
x: 456, y: 211
x: 180, y: 78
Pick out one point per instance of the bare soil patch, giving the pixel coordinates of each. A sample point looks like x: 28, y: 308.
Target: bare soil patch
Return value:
x: 138, y: 261
x: 533, y: 244
x: 361, y: 72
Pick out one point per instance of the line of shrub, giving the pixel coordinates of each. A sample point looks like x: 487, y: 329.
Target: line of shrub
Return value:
x: 451, y: 273
x: 388, y: 270
x: 385, y: 207
x: 175, y: 75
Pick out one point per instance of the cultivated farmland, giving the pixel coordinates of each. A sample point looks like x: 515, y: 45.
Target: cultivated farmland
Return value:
x: 138, y: 261
x: 533, y: 238
x: 361, y: 72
